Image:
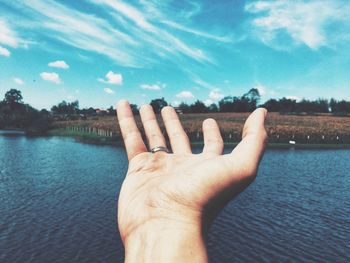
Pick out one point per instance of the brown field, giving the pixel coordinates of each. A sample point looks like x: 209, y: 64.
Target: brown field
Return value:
x: 324, y: 128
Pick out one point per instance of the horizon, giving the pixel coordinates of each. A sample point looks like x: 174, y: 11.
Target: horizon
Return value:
x: 100, y: 51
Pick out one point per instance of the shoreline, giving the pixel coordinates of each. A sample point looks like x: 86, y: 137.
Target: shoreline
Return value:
x: 113, y: 141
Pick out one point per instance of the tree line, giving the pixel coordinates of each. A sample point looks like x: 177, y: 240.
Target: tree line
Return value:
x: 248, y: 102
x: 14, y: 113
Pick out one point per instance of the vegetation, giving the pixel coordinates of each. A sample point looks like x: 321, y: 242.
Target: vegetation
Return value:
x: 281, y: 128
x: 14, y: 114
x: 304, y: 121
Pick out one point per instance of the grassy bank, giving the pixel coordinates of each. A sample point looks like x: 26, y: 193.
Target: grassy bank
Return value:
x: 116, y: 141
x: 322, y: 129
x: 86, y: 137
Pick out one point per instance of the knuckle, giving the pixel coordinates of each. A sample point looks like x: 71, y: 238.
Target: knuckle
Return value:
x: 214, y: 141
x: 178, y: 134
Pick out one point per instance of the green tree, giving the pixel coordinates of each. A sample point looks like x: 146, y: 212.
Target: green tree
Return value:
x: 198, y: 107
x: 13, y: 96
x: 135, y: 109
x: 185, y: 108
x: 213, y: 108
x: 253, y: 98
x: 158, y: 104
x: 66, y: 107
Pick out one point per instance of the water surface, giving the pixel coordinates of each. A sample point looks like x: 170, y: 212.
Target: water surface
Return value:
x: 58, y: 203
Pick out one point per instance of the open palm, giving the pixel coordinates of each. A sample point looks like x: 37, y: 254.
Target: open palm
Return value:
x: 181, y: 188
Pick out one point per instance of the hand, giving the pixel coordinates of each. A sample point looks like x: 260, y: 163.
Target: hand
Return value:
x: 168, y: 200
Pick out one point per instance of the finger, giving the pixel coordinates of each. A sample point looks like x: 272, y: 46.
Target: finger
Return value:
x: 213, y: 142
x: 177, y: 136
x: 249, y: 151
x: 154, y: 134
x: 131, y: 134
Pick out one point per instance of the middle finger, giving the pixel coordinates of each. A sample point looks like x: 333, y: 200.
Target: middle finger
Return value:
x: 154, y: 135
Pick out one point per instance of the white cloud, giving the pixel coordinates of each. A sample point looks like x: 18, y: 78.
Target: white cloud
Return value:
x: 157, y: 86
x: 216, y: 94
x: 303, y: 22
x: 108, y: 91
x: 4, y: 52
x: 59, y: 64
x: 112, y: 78
x: 18, y: 81
x: 150, y: 86
x: 185, y: 95
x: 51, y: 76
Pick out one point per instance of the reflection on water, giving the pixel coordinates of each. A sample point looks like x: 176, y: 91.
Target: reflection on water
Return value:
x: 58, y: 204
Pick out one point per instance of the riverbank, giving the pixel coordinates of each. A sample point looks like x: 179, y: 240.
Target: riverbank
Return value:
x: 97, y: 139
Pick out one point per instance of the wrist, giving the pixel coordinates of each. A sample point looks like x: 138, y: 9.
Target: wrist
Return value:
x: 166, y: 241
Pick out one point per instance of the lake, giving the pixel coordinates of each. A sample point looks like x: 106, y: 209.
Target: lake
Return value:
x: 59, y: 197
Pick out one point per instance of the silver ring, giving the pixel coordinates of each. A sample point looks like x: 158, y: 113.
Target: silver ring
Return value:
x: 159, y: 149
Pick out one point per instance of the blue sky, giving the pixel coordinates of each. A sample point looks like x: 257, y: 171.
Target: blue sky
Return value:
x: 100, y: 51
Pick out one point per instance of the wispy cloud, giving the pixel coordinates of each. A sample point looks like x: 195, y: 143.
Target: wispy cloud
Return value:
x: 108, y: 91
x: 7, y: 36
x: 203, y: 83
x: 157, y: 86
x: 18, y: 81
x: 59, y: 64
x: 190, y: 30
x: 311, y: 23
x: 112, y: 78
x: 159, y: 36
x: 4, y: 52
x: 185, y: 95
x: 119, y: 30
x: 51, y: 77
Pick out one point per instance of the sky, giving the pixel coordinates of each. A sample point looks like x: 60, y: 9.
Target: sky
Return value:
x: 101, y: 51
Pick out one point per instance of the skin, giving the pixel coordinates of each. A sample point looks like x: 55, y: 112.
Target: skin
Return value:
x: 169, y: 200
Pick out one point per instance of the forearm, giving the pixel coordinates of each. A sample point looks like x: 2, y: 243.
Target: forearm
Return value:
x: 168, y: 243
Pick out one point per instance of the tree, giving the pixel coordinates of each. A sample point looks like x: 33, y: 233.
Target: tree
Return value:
x: 13, y: 96
x: 111, y: 111
x: 287, y: 105
x: 226, y: 104
x: 134, y: 109
x: 158, y: 104
x: 342, y: 106
x: 272, y: 105
x: 198, y: 107
x: 185, y: 108
x: 253, y: 98
x: 213, y: 108
x: 15, y: 114
x: 66, y: 107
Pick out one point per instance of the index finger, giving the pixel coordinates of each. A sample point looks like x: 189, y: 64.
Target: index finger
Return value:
x: 131, y: 135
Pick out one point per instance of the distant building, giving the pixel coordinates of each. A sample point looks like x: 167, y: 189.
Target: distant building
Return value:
x: 178, y: 110
x: 102, y: 111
